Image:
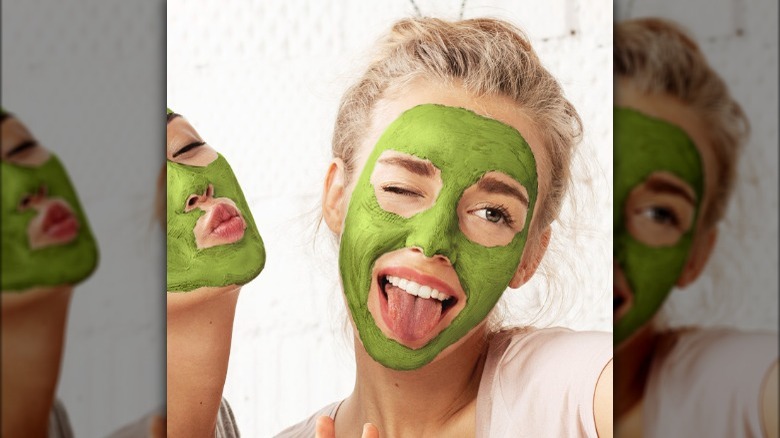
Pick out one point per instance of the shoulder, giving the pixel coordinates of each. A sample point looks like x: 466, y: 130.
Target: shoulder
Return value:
x: 704, y: 365
x: 551, y: 349
x: 306, y: 428
x: 543, y: 379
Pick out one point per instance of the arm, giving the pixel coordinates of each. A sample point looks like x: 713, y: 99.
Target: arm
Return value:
x: 602, y: 402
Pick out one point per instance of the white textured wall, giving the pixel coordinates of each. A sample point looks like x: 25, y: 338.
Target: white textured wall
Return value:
x: 739, y: 286
x: 261, y: 82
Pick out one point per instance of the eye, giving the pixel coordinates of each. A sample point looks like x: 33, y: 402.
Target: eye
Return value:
x: 661, y: 215
x: 494, y: 215
x: 398, y: 190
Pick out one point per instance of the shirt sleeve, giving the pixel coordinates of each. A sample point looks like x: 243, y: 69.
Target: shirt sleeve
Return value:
x: 709, y: 382
x: 545, y: 382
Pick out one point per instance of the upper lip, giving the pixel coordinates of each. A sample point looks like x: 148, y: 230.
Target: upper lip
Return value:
x: 56, y: 213
x: 421, y: 278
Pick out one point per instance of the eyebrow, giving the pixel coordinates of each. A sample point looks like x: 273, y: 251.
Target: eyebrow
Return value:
x: 170, y: 117
x: 21, y: 148
x: 492, y: 185
x: 188, y: 148
x: 418, y: 167
x: 663, y: 186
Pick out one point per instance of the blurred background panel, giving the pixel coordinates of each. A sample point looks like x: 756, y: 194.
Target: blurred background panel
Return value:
x: 261, y: 81
x: 86, y: 78
x: 740, y: 41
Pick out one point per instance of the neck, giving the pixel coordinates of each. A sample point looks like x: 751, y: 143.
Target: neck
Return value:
x: 200, y: 329
x: 440, y: 397
x: 632, y: 367
x: 33, y: 335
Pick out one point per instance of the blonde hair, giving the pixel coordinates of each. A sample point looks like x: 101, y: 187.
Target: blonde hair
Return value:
x: 659, y: 57
x: 486, y: 56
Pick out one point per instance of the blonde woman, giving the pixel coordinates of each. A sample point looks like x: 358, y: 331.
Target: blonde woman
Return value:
x: 450, y: 161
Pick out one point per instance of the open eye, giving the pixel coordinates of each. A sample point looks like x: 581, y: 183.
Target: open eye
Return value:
x: 496, y: 215
x: 661, y: 215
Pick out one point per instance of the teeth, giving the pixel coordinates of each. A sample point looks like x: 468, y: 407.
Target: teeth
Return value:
x: 417, y: 289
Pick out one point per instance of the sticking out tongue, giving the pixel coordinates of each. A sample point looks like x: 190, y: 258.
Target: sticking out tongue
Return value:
x: 411, y: 317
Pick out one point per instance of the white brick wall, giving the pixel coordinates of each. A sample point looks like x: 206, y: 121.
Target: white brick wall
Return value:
x: 261, y: 83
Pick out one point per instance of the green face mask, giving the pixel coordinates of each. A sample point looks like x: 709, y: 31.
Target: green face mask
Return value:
x: 644, y: 145
x: 463, y: 146
x: 190, y: 267
x: 25, y: 265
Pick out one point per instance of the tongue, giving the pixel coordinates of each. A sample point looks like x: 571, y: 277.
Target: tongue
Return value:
x: 411, y: 317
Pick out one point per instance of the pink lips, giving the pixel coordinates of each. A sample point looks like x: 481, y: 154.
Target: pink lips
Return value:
x: 60, y: 223
x: 411, y: 318
x: 226, y: 223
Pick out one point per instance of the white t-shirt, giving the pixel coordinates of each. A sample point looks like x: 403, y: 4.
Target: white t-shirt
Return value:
x: 536, y: 383
x: 708, y: 382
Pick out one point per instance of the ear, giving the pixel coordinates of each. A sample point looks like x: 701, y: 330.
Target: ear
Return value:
x: 700, y: 253
x: 333, y: 196
x: 532, y: 256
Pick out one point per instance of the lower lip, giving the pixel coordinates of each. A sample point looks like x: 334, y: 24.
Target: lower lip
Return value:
x: 231, y: 230
x: 64, y: 230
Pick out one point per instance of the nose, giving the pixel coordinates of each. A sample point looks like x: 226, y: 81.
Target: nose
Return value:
x: 434, y: 239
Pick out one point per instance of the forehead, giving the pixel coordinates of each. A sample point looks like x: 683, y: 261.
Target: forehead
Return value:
x: 419, y: 92
x: 460, y: 142
x: 644, y: 145
x: 671, y: 110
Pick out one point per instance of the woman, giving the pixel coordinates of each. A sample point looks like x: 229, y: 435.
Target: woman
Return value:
x: 213, y: 249
x: 451, y: 158
x: 47, y: 248
x: 678, y: 133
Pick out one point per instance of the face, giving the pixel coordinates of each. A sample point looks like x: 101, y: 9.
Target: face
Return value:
x: 212, y: 238
x: 45, y: 234
x: 436, y: 224
x: 660, y: 190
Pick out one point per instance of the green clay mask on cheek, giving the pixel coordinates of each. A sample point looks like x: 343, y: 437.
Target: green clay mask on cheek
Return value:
x: 463, y: 146
x: 46, y: 240
x: 191, y: 267
x: 643, y: 146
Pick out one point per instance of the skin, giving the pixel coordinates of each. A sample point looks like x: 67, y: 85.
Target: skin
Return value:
x: 634, y: 353
x: 46, y: 237
x: 493, y: 173
x: 385, y: 397
x: 34, y: 313
x: 658, y: 186
x: 200, y: 321
x: 33, y: 333
x: 200, y: 183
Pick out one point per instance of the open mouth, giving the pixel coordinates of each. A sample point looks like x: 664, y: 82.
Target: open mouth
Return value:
x: 59, y: 223
x: 226, y: 223
x: 413, y: 305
